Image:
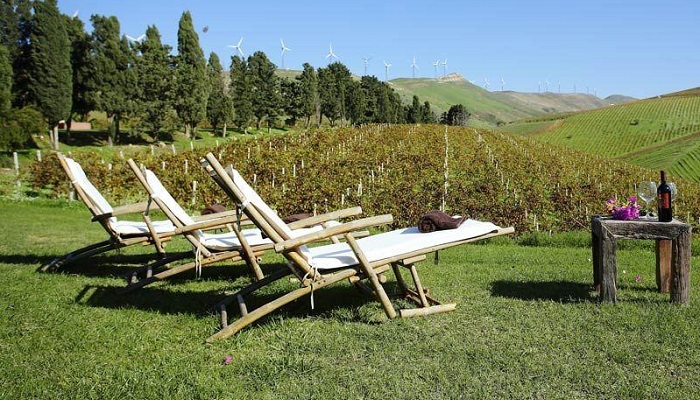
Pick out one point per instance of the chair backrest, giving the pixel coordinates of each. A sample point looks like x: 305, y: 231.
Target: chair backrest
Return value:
x: 94, y: 197
x: 160, y: 192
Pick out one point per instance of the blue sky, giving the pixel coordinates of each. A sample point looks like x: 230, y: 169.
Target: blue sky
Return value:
x: 638, y: 48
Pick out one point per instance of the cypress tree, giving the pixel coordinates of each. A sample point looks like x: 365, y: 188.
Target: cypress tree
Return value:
x: 219, y: 107
x: 309, y: 87
x: 265, y: 89
x: 155, y: 81
x: 240, y: 93
x: 112, y: 78
x: 15, y: 29
x: 192, y: 87
x: 51, y: 81
x: 82, y: 97
x: 5, y: 81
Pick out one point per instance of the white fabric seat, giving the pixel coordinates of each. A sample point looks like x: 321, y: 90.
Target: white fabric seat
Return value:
x: 126, y: 228
x: 394, y: 243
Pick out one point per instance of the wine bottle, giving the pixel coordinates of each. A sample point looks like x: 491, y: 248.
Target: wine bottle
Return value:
x: 663, y: 193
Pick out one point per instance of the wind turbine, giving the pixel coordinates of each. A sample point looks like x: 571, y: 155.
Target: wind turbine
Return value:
x: 414, y: 66
x: 503, y: 83
x: 539, y: 86
x: 486, y: 83
x: 365, y: 60
x: 284, y: 49
x: 331, y: 55
x: 386, y: 71
x: 75, y: 14
x: 238, y: 47
x: 546, y: 85
x: 138, y: 39
x: 435, y: 64
x: 444, y: 68
x: 559, y: 86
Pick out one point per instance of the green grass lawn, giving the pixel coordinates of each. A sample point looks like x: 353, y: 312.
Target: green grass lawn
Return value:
x: 527, y: 325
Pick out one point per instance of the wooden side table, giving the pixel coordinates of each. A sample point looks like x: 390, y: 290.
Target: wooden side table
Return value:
x: 672, y: 254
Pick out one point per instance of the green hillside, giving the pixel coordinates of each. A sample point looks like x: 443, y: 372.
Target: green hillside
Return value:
x: 657, y: 133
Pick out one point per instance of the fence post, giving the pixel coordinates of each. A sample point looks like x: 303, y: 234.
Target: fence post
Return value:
x: 194, y: 192
x: 38, y: 155
x: 16, y: 161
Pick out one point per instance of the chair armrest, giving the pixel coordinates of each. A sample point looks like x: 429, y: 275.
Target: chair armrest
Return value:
x: 209, y: 224
x: 125, y: 209
x: 318, y: 219
x: 133, y: 208
x: 333, y: 231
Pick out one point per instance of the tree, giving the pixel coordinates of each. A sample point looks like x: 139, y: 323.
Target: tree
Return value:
x: 333, y: 82
x: 192, y: 89
x: 413, y: 112
x: 356, y: 104
x: 240, y: 93
x: 51, y: 81
x: 427, y: 116
x: 293, y: 103
x: 311, y: 106
x: 219, y: 107
x: 5, y: 81
x: 264, y: 87
x: 113, y: 79
x: 15, y: 31
x: 456, y: 115
x: 155, y: 81
x: 82, y: 98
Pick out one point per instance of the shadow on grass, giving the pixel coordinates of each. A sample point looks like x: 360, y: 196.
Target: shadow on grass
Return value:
x: 25, y: 259
x: 560, y: 291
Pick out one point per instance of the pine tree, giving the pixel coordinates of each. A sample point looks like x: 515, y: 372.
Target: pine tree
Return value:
x: 240, y: 93
x: 264, y: 84
x: 155, y: 81
x: 192, y: 89
x: 219, y: 107
x: 113, y: 79
x: 309, y: 87
x: 51, y: 81
x: 15, y: 30
x: 356, y: 103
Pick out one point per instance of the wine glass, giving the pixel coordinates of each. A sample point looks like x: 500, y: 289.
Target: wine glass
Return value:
x: 647, y: 191
x: 674, y: 190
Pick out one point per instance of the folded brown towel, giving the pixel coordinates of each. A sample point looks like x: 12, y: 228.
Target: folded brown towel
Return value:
x: 437, y: 221
x: 213, y: 209
x: 296, y: 217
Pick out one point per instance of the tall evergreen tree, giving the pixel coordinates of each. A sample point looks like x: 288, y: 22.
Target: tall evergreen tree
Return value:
x: 356, y: 103
x: 413, y: 112
x: 309, y: 87
x: 192, y: 89
x: 155, y: 81
x: 51, y: 81
x: 240, y: 93
x: 427, y: 116
x: 5, y: 81
x: 219, y: 107
x: 82, y: 97
x: 113, y: 79
x: 332, y: 87
x: 15, y: 31
x: 293, y: 99
x: 265, y: 91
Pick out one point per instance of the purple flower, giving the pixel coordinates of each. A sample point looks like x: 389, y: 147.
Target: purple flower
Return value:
x: 228, y: 360
x: 638, y: 278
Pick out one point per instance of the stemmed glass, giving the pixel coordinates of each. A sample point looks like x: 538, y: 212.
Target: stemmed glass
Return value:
x: 674, y: 190
x: 647, y: 191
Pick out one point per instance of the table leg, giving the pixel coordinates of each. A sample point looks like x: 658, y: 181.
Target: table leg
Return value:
x: 595, y: 245
x: 663, y: 265
x: 680, y: 269
x: 608, y: 266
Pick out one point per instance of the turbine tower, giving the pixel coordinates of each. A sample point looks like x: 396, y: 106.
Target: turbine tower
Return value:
x: 435, y: 64
x: 414, y: 66
x: 366, y: 62
x: 444, y: 68
x: 546, y: 85
x: 503, y: 84
x: 386, y: 71
x: 331, y: 55
x: 238, y: 47
x: 284, y: 49
x: 486, y: 83
x: 559, y: 86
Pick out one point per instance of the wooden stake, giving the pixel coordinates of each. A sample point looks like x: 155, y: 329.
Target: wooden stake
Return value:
x: 194, y: 192
x: 16, y: 161
x: 38, y: 155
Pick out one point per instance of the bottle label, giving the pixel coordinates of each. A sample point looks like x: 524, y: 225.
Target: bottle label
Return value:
x: 664, y: 200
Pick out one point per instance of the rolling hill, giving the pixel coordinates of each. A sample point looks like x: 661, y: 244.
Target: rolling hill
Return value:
x: 658, y: 133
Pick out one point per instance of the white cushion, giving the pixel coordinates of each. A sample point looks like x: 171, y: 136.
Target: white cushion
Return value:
x: 229, y: 240
x: 395, y: 243
x: 80, y: 179
x: 139, y: 228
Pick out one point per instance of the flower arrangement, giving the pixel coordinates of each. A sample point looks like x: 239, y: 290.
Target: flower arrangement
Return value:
x: 623, y: 211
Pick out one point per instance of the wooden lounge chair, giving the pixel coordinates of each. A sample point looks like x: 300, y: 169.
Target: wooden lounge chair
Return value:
x: 121, y: 233
x: 356, y: 259
x: 208, y: 248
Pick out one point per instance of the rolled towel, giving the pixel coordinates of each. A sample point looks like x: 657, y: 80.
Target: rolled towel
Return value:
x: 213, y: 209
x: 437, y: 221
x: 296, y: 217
